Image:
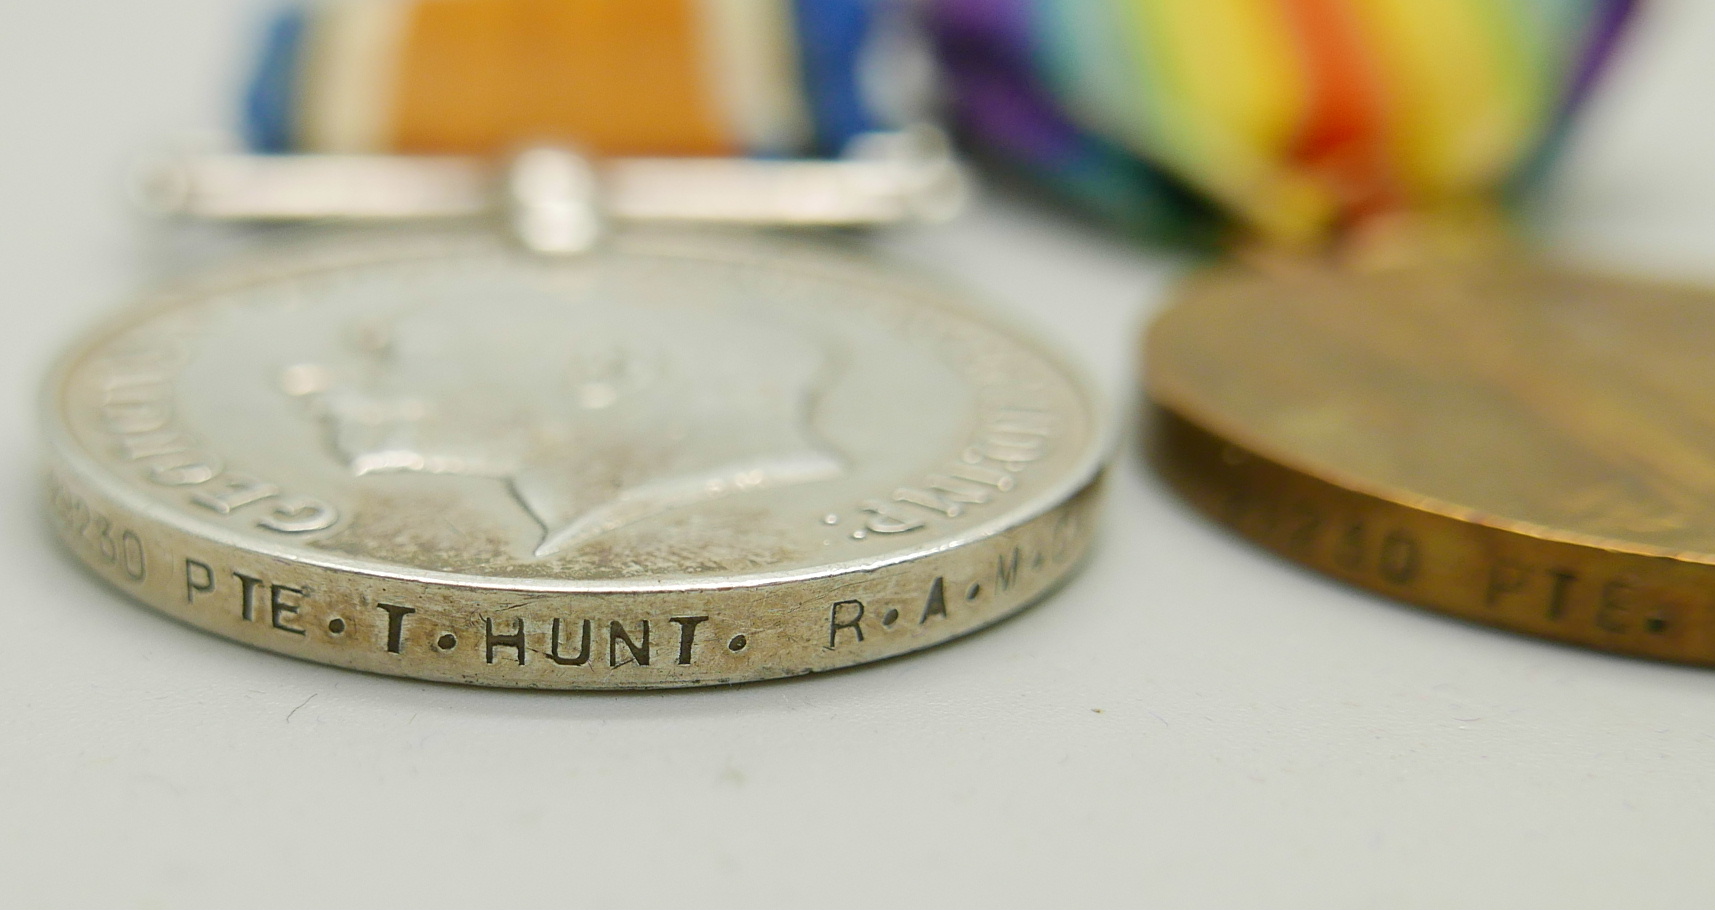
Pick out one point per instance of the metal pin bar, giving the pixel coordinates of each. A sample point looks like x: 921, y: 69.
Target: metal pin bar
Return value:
x: 885, y: 179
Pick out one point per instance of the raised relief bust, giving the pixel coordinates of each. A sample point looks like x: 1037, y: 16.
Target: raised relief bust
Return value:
x: 596, y: 415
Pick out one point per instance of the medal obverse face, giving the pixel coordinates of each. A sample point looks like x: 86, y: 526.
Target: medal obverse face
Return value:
x: 674, y: 461
x: 1517, y: 444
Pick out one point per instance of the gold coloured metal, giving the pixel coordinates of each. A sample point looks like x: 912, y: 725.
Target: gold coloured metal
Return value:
x: 1511, y: 442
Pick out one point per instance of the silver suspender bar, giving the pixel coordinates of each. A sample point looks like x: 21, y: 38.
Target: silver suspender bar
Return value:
x: 885, y: 178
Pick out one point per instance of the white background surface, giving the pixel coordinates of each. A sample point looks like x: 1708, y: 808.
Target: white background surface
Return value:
x: 1190, y: 723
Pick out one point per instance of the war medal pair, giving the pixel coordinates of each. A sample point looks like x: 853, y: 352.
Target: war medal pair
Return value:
x: 614, y: 452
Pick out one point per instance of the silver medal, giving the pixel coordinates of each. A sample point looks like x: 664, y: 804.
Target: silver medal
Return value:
x: 677, y: 458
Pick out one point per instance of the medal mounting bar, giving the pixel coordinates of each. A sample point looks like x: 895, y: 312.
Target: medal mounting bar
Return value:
x: 883, y: 178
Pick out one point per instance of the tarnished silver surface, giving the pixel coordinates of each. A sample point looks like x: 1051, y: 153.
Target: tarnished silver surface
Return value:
x: 677, y: 460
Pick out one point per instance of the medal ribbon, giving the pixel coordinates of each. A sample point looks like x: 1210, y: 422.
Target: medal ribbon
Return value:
x: 1295, y: 118
x: 618, y: 77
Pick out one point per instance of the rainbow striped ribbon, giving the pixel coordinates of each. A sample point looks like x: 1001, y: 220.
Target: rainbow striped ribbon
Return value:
x: 1295, y: 118
x: 620, y: 77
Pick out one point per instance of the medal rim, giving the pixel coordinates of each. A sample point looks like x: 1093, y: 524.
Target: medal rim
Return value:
x: 1217, y: 465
